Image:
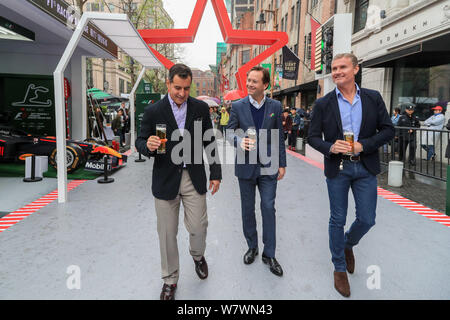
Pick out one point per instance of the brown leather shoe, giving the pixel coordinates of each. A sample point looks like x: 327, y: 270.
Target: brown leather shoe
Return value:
x: 168, y: 292
x: 349, y: 260
x: 341, y: 283
x: 201, y: 267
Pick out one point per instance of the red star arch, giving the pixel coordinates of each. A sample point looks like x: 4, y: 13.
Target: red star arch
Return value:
x: 276, y: 40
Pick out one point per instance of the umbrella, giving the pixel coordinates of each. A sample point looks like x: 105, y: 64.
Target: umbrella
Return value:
x: 234, y: 95
x: 217, y: 100
x: 211, y: 102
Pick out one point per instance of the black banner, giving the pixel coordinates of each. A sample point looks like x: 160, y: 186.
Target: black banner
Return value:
x: 64, y: 13
x: 290, y: 64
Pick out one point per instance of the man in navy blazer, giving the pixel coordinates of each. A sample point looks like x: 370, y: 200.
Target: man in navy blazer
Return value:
x: 362, y: 112
x: 260, y: 161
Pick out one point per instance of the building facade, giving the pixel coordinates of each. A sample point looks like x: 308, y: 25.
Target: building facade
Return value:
x: 116, y: 76
x: 205, y: 82
x: 404, y: 50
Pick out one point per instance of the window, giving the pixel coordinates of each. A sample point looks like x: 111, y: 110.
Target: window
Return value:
x: 292, y: 17
x: 245, y: 56
x: 296, y: 49
x: 285, y: 22
x: 314, y: 3
x: 424, y: 86
x: 360, y: 15
x: 121, y: 86
x: 95, y: 7
x: 297, y: 15
x: 282, y: 24
x: 308, y: 47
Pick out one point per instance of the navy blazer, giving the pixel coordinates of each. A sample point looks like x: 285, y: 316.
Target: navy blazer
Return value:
x: 166, y: 175
x: 376, y: 130
x: 241, y: 118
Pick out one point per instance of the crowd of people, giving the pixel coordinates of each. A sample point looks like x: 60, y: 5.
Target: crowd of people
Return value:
x: 408, y: 137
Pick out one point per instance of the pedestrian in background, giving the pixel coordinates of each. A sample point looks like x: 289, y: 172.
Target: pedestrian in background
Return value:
x: 408, y: 136
x: 223, y: 121
x: 287, y: 123
x: 294, y: 131
x: 430, y: 138
x: 447, y: 150
x: 117, y: 126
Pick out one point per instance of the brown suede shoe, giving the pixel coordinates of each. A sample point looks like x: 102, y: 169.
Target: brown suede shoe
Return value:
x: 349, y: 260
x: 341, y: 283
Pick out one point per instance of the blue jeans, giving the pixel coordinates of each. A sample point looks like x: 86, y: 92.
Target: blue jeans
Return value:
x: 429, y: 149
x: 364, y: 188
x: 267, y: 186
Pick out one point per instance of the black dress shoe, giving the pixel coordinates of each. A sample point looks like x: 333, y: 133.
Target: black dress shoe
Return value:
x: 250, y: 255
x: 201, y: 267
x: 275, y: 267
x: 168, y: 292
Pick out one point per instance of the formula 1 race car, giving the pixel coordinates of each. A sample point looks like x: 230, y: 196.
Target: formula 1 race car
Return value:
x: 16, y: 145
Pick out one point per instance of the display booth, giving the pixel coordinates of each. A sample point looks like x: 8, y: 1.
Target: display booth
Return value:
x: 42, y: 59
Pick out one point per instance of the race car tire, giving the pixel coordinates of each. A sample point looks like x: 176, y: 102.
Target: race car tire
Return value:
x: 75, y: 157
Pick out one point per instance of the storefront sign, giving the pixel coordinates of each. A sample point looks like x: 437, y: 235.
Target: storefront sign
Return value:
x: 29, y: 103
x: 143, y: 100
x: 420, y: 25
x: 290, y: 64
x: 67, y: 15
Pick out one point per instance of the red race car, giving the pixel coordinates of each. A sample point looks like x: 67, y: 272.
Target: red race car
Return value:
x: 16, y: 145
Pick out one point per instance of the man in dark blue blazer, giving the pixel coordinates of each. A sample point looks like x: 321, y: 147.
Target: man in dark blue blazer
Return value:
x: 260, y: 161
x: 349, y: 108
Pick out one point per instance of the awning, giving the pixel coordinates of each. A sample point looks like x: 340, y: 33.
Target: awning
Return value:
x: 119, y: 29
x: 425, y: 54
x: 309, y: 86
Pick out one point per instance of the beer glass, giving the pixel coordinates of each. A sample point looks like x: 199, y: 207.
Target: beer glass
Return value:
x: 349, y: 137
x: 161, y: 133
x: 251, y: 134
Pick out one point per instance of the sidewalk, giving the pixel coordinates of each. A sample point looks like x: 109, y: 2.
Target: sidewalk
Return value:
x: 109, y: 232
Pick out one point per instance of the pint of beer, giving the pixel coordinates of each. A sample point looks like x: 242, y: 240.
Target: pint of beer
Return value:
x: 251, y: 133
x: 349, y: 137
x: 161, y: 133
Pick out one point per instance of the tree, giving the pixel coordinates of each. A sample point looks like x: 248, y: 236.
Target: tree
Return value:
x: 79, y: 4
x: 149, y: 14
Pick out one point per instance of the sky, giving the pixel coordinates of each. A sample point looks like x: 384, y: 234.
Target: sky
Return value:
x: 202, y: 52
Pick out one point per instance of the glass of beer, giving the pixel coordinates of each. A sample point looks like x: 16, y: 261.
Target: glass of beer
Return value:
x: 251, y: 134
x: 349, y: 137
x: 161, y: 133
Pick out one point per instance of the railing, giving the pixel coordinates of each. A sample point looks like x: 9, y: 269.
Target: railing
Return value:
x: 407, y: 146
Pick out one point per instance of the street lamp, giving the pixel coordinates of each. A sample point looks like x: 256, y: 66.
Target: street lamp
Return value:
x: 275, y: 26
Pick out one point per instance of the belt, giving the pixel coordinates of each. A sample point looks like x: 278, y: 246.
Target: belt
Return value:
x: 351, y: 158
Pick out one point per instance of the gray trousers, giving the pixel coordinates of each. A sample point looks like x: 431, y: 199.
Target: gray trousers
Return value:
x: 195, y: 221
